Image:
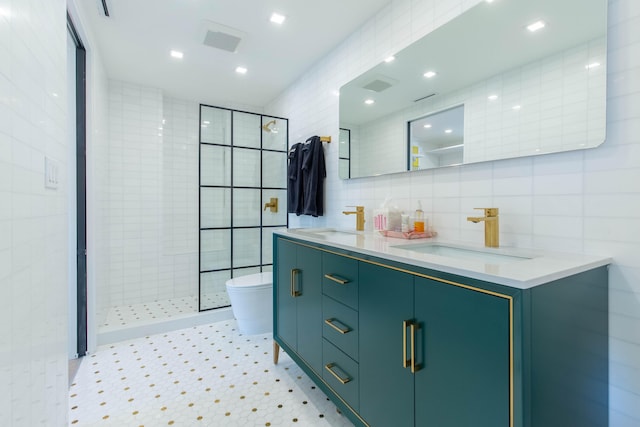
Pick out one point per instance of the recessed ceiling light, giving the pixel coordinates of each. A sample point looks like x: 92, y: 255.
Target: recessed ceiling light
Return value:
x: 430, y: 74
x: 276, y: 18
x: 390, y: 59
x: 241, y: 70
x: 427, y: 126
x: 206, y: 122
x: 592, y: 65
x: 448, y: 130
x: 516, y: 107
x: 492, y: 97
x: 536, y: 26
x: 5, y: 12
x: 177, y: 54
x: 369, y: 101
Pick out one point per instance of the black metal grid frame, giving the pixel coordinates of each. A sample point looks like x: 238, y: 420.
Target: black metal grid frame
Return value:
x: 348, y: 159
x: 231, y: 186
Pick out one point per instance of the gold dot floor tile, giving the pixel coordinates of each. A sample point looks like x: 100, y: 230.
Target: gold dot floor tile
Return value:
x: 208, y: 375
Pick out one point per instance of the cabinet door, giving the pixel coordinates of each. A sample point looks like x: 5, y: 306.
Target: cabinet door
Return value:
x: 386, y: 387
x: 464, y: 353
x: 286, y: 304
x: 309, y: 308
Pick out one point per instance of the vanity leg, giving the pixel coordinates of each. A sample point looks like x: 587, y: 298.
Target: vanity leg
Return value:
x: 276, y: 352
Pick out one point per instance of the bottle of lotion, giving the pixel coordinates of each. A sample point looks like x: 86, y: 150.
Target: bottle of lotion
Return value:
x: 418, y: 221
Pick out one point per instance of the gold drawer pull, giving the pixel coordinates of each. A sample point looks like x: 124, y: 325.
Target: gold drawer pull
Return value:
x: 337, y: 328
x: 329, y: 367
x: 337, y: 279
x: 405, y: 362
x: 411, y: 362
x: 294, y: 276
x: 414, y: 368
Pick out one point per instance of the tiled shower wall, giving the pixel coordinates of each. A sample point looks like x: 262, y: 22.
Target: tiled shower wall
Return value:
x: 153, y: 195
x: 582, y: 201
x: 33, y: 219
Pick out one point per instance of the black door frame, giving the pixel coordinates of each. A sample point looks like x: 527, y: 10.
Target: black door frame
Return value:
x: 81, y: 187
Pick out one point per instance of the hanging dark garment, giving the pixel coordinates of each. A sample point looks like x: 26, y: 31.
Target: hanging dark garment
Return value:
x: 313, y: 175
x: 294, y: 180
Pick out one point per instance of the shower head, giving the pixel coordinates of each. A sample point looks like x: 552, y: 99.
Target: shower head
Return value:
x: 266, y: 127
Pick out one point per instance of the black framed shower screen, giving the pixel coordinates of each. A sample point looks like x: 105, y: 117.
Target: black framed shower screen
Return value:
x: 242, y: 164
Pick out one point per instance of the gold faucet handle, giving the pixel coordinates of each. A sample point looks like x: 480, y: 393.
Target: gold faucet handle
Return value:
x: 359, y: 208
x: 489, y: 212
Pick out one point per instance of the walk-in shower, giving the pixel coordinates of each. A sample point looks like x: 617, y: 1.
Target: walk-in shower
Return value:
x: 184, y: 209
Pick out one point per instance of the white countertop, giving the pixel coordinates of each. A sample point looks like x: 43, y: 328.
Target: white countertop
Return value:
x: 520, y: 268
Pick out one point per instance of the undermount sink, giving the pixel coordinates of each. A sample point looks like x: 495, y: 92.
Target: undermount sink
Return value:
x: 462, y: 253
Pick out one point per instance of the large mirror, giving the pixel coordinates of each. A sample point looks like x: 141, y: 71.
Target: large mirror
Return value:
x: 519, y: 91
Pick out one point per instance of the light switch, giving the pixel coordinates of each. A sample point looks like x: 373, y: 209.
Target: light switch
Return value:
x: 51, y: 173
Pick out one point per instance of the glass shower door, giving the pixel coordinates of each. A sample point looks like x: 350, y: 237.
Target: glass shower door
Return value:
x: 242, y: 166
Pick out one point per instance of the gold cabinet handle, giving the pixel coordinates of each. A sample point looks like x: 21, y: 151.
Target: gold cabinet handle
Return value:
x: 405, y: 362
x: 414, y: 367
x: 337, y: 279
x: 337, y: 328
x: 294, y: 276
x: 329, y: 367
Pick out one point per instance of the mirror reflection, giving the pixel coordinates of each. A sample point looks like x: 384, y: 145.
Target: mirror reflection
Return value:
x: 437, y: 140
x: 524, y: 91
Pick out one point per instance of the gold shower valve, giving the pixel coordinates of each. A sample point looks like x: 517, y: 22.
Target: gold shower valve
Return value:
x: 272, y: 204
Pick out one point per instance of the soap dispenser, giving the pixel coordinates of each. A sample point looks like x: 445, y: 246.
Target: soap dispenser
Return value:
x: 418, y: 219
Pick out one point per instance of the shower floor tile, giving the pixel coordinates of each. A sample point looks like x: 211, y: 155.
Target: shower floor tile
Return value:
x: 128, y: 315
x: 209, y: 375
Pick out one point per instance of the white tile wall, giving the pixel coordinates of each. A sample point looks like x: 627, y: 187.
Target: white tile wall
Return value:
x: 153, y: 195
x: 577, y: 201
x: 33, y: 225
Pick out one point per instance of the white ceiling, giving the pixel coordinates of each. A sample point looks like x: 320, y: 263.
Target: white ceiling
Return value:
x: 136, y: 39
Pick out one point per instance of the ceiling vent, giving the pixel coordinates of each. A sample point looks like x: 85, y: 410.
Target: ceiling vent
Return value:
x: 424, y: 97
x: 220, y: 36
x: 380, y: 83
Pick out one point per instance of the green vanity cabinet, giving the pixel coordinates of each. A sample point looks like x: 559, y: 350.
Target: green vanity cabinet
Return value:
x: 386, y: 386
x: 462, y: 355
x: 442, y: 349
x: 411, y: 346
x: 298, y: 299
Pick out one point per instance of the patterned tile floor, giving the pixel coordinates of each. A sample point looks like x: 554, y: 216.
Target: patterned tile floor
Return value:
x: 127, y: 315
x: 208, y: 375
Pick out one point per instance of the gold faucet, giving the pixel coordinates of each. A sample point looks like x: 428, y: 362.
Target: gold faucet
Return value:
x: 359, y: 212
x: 491, y: 226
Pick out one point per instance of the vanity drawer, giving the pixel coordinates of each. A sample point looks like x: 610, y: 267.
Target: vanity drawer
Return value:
x: 340, y: 372
x: 340, y: 326
x: 340, y: 279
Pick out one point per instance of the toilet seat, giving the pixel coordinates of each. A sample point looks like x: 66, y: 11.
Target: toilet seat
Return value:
x: 252, y: 281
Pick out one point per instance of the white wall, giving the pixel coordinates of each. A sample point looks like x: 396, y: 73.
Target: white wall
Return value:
x: 583, y: 201
x: 33, y: 220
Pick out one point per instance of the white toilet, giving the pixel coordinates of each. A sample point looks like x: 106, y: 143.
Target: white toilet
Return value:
x: 252, y: 302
